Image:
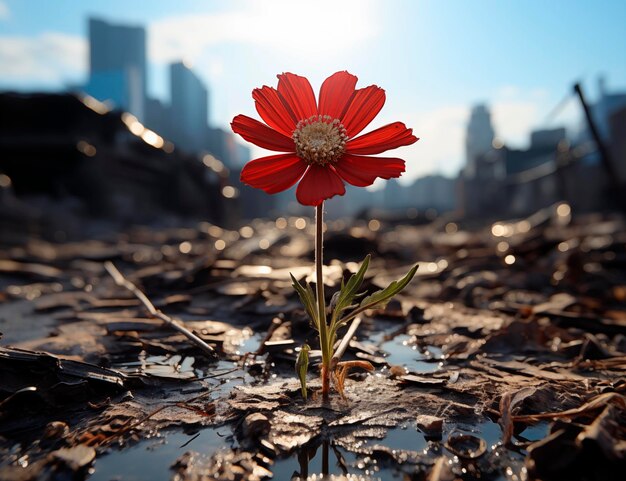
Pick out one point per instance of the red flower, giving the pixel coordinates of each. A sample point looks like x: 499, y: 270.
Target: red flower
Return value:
x: 323, y: 152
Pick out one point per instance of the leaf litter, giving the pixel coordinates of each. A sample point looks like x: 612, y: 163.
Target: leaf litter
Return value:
x: 474, y: 354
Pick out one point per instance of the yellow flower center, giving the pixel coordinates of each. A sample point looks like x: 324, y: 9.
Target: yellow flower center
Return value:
x: 320, y: 140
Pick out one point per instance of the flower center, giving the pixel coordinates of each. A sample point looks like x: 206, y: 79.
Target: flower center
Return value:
x: 320, y: 140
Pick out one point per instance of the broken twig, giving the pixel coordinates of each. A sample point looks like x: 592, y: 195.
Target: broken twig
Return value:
x: 344, y: 342
x: 120, y: 280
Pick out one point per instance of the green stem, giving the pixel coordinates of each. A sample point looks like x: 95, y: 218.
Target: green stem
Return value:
x: 321, y: 302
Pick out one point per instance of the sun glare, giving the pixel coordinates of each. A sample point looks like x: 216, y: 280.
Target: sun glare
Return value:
x: 322, y: 28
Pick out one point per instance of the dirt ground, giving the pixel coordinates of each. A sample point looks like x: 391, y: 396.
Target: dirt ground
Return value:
x: 505, y: 358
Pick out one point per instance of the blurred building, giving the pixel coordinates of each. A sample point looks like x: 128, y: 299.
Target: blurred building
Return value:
x: 395, y: 195
x: 189, y: 107
x: 117, y: 65
x: 355, y: 201
x: 543, y: 146
x: 530, y: 181
x: 118, y: 76
x: 482, y: 165
x: 435, y: 192
x: 478, y: 140
x: 547, y: 138
x: 500, y: 181
x: 255, y: 204
x: 158, y: 117
x: 608, y: 103
x: 223, y: 145
x: 512, y: 181
x: 71, y: 158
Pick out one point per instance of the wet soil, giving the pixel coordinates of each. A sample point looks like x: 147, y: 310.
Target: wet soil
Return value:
x: 504, y: 359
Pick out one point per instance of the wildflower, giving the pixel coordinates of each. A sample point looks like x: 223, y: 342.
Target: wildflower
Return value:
x: 321, y: 139
x: 324, y: 150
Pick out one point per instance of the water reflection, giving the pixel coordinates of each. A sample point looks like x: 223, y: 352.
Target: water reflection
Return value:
x: 403, y: 351
x: 401, y: 452
x: 324, y: 460
x: 151, y: 459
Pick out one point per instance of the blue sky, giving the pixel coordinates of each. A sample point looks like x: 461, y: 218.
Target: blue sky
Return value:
x: 434, y: 58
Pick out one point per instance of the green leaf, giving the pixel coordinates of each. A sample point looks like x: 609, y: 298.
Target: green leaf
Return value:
x: 382, y: 297
x: 344, y: 299
x: 302, y: 366
x: 349, y: 291
x: 308, y: 300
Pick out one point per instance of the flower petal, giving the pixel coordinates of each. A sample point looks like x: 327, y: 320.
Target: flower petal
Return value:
x: 363, y: 171
x: 318, y: 184
x: 298, y: 94
x: 274, y: 173
x: 261, y: 135
x: 389, y: 137
x: 365, y: 105
x: 335, y: 94
x: 273, y: 110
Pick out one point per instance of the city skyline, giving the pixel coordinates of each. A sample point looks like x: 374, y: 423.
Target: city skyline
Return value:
x: 117, y: 65
x: 435, y: 61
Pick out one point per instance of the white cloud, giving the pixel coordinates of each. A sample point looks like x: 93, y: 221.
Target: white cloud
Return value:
x: 440, y: 149
x: 49, y: 58
x: 324, y: 27
x: 515, y: 112
x: 513, y: 120
x: 5, y: 13
x: 508, y: 91
x: 216, y: 67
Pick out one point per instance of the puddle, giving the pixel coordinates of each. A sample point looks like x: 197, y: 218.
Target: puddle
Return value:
x: 536, y: 432
x: 150, y: 459
x: 324, y: 459
x: 250, y: 344
x: 166, y: 366
x: 401, y: 352
x: 408, y: 437
x: 488, y: 430
x: 221, y: 377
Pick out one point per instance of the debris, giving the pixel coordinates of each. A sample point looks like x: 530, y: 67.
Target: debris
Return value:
x: 76, y: 458
x: 56, y: 430
x: 174, y: 324
x: 222, y: 466
x: 255, y: 425
x: 422, y: 380
x: 431, y: 426
x: 508, y: 404
x: 441, y: 470
x: 538, y: 345
x: 466, y: 446
x: 289, y: 431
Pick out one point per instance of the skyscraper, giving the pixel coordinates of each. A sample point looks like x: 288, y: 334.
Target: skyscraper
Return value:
x: 189, y: 107
x: 117, y: 65
x: 607, y: 104
x: 479, y: 138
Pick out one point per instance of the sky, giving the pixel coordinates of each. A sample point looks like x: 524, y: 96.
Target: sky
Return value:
x: 434, y: 58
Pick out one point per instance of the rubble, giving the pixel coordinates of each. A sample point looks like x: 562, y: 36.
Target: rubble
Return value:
x: 506, y: 355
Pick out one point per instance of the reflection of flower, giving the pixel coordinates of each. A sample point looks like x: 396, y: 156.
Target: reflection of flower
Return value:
x: 319, y: 137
